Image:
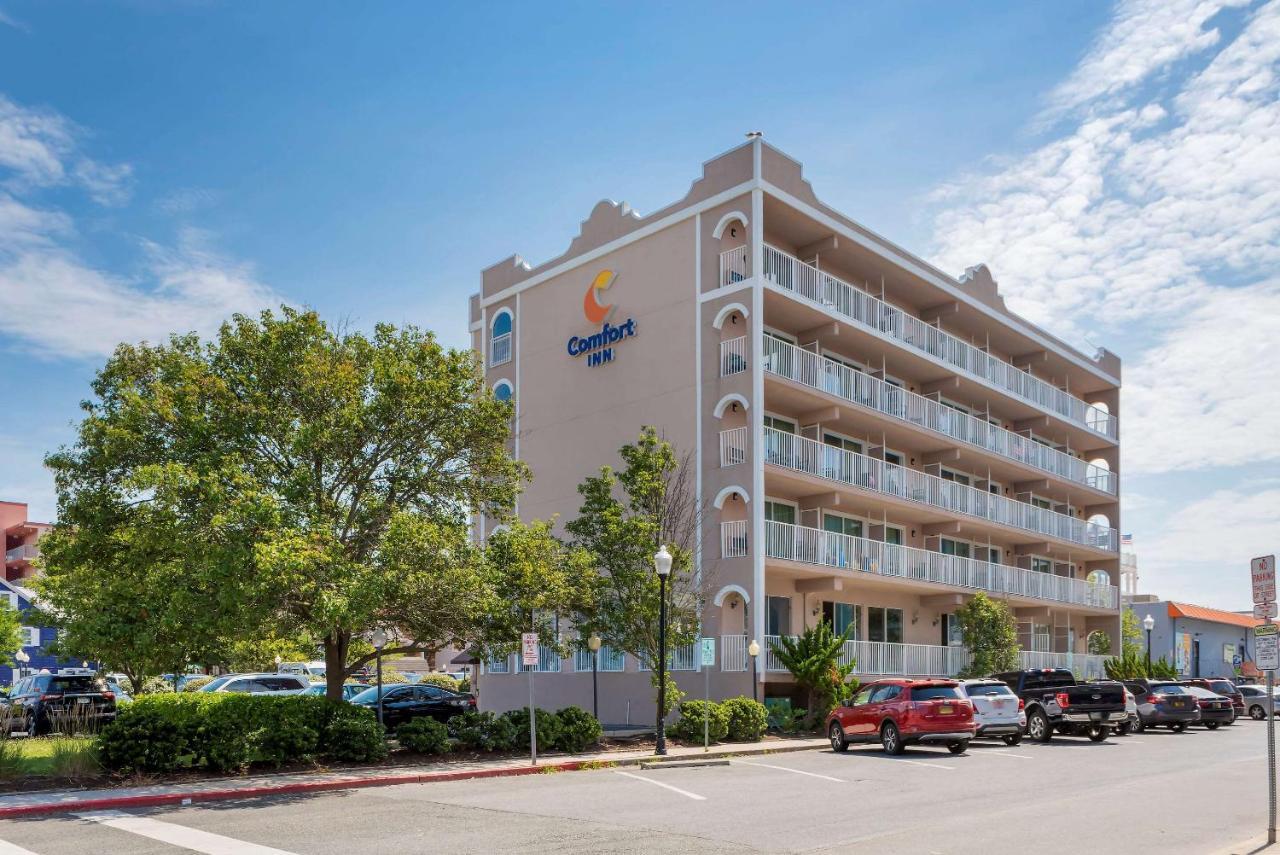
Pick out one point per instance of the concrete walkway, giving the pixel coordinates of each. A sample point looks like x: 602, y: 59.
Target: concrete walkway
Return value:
x: 445, y: 769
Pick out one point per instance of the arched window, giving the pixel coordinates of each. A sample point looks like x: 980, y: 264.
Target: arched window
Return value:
x: 500, y: 338
x: 502, y: 390
x: 1099, y: 577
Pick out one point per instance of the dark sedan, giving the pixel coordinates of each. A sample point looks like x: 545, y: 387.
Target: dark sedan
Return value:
x: 1163, y: 704
x: 1221, y: 686
x: 401, y: 703
x: 1215, y: 709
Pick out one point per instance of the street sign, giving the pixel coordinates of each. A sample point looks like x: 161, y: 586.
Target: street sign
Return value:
x: 1267, y: 652
x: 1262, y: 611
x: 1266, y: 629
x: 1263, y: 572
x: 708, y: 652
x: 1236, y: 660
x: 529, y: 648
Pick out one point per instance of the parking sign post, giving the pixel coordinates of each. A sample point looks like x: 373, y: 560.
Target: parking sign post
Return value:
x: 1262, y: 572
x: 529, y: 656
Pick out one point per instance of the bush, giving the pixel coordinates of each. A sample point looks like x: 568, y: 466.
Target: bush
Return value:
x: 351, y: 733
x: 156, y: 686
x: 483, y: 731
x: 748, y: 719
x: 146, y: 736
x: 579, y: 730
x: 423, y: 736
x: 195, y: 683
x: 548, y: 725
x: 689, y: 727
x: 464, y: 685
x: 444, y: 681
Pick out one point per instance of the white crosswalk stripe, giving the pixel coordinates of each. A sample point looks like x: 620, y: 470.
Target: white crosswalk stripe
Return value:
x: 7, y: 848
x: 179, y: 835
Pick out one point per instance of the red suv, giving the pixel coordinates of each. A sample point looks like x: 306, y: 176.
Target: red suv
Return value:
x: 901, y: 712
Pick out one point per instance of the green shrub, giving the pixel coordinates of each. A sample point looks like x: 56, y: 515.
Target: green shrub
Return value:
x: 147, y: 735
x: 351, y: 733
x: 548, y: 726
x: 423, y: 736
x: 290, y: 729
x: 195, y: 683
x: 483, y: 731
x: 156, y: 686
x: 444, y: 681
x: 579, y: 730
x: 689, y: 727
x: 464, y: 685
x: 748, y: 719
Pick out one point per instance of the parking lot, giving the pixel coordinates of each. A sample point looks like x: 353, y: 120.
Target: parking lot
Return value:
x: 1196, y: 792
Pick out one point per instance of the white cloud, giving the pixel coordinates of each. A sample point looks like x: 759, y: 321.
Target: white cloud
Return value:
x: 9, y: 21
x: 1152, y: 215
x: 60, y: 305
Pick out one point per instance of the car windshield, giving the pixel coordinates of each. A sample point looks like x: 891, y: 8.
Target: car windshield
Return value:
x: 1202, y: 693
x: 933, y: 693
x: 74, y: 685
x: 1222, y: 687
x: 1169, y: 690
x: 215, y: 684
x: 978, y: 690
x: 369, y: 696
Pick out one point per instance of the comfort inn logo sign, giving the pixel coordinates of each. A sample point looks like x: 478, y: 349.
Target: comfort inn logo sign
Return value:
x: 598, y: 347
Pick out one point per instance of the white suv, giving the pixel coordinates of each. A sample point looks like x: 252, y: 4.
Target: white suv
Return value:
x: 996, y: 709
x: 259, y: 684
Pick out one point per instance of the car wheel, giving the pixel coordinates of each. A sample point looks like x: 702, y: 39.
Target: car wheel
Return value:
x: 891, y: 739
x: 1098, y: 733
x: 1212, y: 725
x: 1139, y: 726
x: 1123, y: 730
x: 1179, y: 727
x: 1257, y: 713
x: 1038, y: 727
x: 838, y: 741
x: 959, y: 747
x: 33, y: 728
x: 1012, y: 739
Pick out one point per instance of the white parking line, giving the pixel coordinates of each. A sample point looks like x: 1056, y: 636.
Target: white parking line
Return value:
x: 7, y: 848
x: 179, y: 835
x: 685, y: 793
x: 789, y: 769
x: 923, y: 763
x: 1001, y: 754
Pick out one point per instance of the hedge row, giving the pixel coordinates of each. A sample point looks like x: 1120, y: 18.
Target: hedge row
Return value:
x: 738, y: 719
x: 571, y: 729
x: 223, y: 732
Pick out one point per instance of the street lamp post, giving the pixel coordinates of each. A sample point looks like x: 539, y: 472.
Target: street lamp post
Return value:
x: 23, y: 658
x: 593, y: 644
x: 753, y: 650
x: 379, y: 640
x: 1148, y: 623
x: 662, y: 566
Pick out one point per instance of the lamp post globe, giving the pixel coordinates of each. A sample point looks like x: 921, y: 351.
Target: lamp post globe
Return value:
x: 1148, y: 623
x: 662, y: 566
x: 379, y: 640
x: 753, y: 651
x: 593, y: 644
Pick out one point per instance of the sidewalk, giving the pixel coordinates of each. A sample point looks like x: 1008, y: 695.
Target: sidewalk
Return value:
x: 66, y: 801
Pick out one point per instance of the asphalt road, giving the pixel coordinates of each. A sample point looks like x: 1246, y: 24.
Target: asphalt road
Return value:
x: 1198, y: 792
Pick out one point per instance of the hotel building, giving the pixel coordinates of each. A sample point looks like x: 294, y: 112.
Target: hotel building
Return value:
x: 874, y: 439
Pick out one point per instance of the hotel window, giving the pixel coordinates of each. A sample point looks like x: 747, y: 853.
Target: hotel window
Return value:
x: 884, y: 624
x: 31, y: 636
x: 500, y: 339
x: 893, y: 534
x: 954, y: 547
x: 841, y: 525
x: 1041, y: 565
x: 778, y: 616
x: 778, y: 449
x: 780, y: 512
x: 952, y: 636
x: 842, y: 616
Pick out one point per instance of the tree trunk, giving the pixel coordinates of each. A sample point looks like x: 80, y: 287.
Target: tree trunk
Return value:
x: 335, y: 663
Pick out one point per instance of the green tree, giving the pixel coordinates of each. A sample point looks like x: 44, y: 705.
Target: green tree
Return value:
x: 1130, y: 633
x: 290, y: 465
x: 813, y: 658
x: 1099, y: 643
x: 11, y: 635
x: 624, y: 517
x: 991, y: 634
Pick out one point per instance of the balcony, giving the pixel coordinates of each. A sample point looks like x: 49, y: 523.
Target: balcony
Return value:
x: 500, y: 350
x: 867, y: 473
x: 791, y: 274
x: 829, y: 549
x: 827, y: 375
x: 21, y: 553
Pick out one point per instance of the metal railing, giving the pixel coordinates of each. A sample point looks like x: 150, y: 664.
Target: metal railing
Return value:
x: 735, y: 265
x: 831, y: 549
x: 827, y: 375
x: 867, y: 473
x: 790, y: 273
x: 880, y: 658
x: 733, y: 539
x: 500, y: 349
x: 683, y: 658
x: 25, y: 552
x: 548, y: 661
x: 733, y: 356
x: 733, y: 446
x: 733, y: 653
x: 1085, y: 665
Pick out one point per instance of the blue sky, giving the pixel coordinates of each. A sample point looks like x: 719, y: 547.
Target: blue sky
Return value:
x: 1118, y: 166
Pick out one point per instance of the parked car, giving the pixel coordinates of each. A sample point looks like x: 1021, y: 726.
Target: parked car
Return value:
x: 1255, y: 701
x: 259, y: 684
x: 121, y: 695
x: 1127, y: 726
x: 349, y: 690
x: 996, y: 709
x: 902, y: 712
x: 1055, y: 702
x: 1215, y: 710
x: 37, y: 704
x: 400, y: 703
x: 312, y: 670
x: 1163, y: 704
x: 1221, y: 686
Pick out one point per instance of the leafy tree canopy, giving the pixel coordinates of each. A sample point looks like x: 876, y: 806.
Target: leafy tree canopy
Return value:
x: 991, y: 634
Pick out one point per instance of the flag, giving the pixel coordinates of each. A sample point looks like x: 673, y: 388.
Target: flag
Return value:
x: 1126, y: 540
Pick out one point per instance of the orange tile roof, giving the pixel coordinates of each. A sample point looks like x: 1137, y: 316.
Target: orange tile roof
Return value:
x: 1186, y: 610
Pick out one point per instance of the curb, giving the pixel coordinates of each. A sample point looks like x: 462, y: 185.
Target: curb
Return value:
x: 182, y: 799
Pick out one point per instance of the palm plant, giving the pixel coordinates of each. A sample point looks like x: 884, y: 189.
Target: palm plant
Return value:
x: 813, y: 658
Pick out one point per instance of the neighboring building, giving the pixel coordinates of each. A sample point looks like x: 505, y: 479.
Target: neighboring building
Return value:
x: 1198, y: 641
x: 874, y: 439
x: 21, y: 540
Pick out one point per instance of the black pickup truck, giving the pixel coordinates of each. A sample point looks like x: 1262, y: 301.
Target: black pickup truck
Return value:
x: 1055, y: 701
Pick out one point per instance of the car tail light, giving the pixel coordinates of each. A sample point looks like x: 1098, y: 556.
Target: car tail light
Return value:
x: 53, y: 696
x: 1062, y: 699
x: 111, y: 696
x: 1156, y: 699
x: 1022, y: 705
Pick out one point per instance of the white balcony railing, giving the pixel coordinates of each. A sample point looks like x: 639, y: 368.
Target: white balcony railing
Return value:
x: 879, y: 658
x: 733, y: 653
x: 733, y: 356
x: 500, y: 349
x: 790, y: 273
x: 867, y: 473
x: 735, y: 265
x: 733, y: 446
x: 827, y: 375
x: 733, y: 539
x: 1082, y: 665
x: 683, y: 658
x: 830, y: 549
x: 26, y: 552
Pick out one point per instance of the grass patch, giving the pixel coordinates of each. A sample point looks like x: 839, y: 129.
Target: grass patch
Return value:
x: 60, y: 756
x: 598, y: 764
